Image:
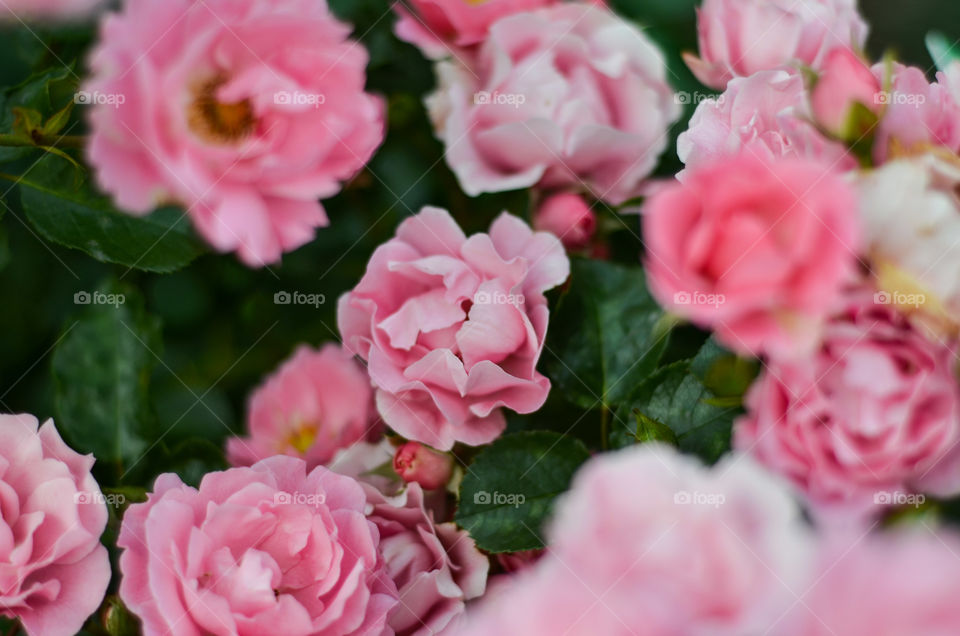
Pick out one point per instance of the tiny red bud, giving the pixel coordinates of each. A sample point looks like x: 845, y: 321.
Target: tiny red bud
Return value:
x: 419, y: 463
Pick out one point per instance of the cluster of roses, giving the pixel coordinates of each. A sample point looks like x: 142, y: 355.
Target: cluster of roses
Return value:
x: 813, y: 228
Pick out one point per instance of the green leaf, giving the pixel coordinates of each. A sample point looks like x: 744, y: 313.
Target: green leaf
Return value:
x: 64, y: 208
x: 101, y: 372
x: 606, y: 335
x: 677, y: 397
x: 43, y: 94
x: 651, y: 430
x: 508, y: 490
x: 942, y: 50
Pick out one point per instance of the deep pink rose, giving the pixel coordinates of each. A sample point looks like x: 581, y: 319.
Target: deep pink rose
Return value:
x: 452, y: 327
x: 915, y: 112
x: 569, y: 217
x: 417, y: 463
x: 315, y: 404
x: 740, y: 37
x: 268, y: 549
x: 669, y: 548
x: 756, y: 250
x: 53, y: 569
x: 246, y: 112
x: 765, y: 114
x: 844, y: 81
x: 17, y: 10
x: 570, y: 95
x: 436, y: 567
x: 894, y: 584
x: 872, y: 415
x: 436, y: 26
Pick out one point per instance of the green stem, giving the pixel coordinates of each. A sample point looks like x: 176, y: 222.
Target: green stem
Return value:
x: 605, y: 427
x: 56, y: 141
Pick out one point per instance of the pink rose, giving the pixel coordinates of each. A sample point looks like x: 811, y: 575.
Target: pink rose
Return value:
x: 844, y: 81
x: 17, y: 10
x: 417, y: 463
x: 875, y: 410
x: 915, y: 113
x: 882, y: 585
x: 436, y: 567
x: 766, y: 114
x: 434, y: 26
x: 268, y: 549
x: 740, y: 37
x: 452, y: 327
x: 53, y: 569
x: 569, y: 217
x: 570, y: 95
x: 315, y: 404
x: 755, y: 250
x: 246, y: 112
x: 631, y: 560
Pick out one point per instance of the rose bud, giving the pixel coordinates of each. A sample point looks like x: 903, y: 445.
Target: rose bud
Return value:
x: 568, y: 217
x: 844, y: 82
x: 419, y: 463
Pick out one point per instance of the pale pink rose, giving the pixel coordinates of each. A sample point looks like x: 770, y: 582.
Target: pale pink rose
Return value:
x: 844, y: 81
x: 417, y: 463
x: 452, y: 327
x: 268, y: 549
x: 317, y: 403
x: 765, y: 114
x: 17, y: 10
x: 246, y: 112
x: 882, y: 585
x: 53, y: 569
x: 740, y: 37
x: 438, y: 27
x: 915, y: 113
x: 569, y: 217
x: 436, y: 567
x: 570, y: 95
x: 756, y: 250
x: 694, y: 551
x: 873, y: 412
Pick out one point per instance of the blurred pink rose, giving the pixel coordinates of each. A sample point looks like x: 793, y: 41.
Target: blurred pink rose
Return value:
x: 16, y: 10
x: 893, y: 584
x: 315, y: 404
x: 845, y: 80
x: 644, y: 561
x: 452, y: 327
x: 268, y: 549
x: 740, y: 37
x: 765, y: 114
x: 916, y: 113
x: 756, y: 250
x: 436, y: 567
x: 417, y: 463
x: 569, y: 217
x: 245, y: 112
x: 567, y: 95
x: 434, y: 26
x: 53, y: 569
x: 875, y: 411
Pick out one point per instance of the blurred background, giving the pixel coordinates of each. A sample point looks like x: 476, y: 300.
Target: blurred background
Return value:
x: 216, y: 329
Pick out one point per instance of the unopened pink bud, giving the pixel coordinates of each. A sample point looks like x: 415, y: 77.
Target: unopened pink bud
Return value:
x: 569, y: 217
x: 419, y: 463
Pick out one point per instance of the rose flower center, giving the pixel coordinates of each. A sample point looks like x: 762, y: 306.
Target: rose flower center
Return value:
x: 216, y: 121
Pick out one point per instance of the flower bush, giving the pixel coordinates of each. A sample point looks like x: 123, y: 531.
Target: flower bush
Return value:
x: 455, y: 318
